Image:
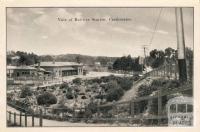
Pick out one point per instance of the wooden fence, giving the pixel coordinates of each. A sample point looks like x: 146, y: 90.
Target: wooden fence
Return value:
x: 24, y: 119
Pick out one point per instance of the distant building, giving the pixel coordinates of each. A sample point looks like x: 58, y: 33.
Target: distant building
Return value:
x: 55, y: 69
x: 21, y: 71
x: 60, y: 69
x: 14, y: 60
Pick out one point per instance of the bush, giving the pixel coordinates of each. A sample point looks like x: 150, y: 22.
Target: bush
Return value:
x: 92, y: 107
x: 96, y: 80
x: 61, y: 108
x: 25, y: 92
x: 99, y: 96
x: 83, y: 97
x: 108, y: 78
x: 114, y: 91
x: 125, y: 83
x: 114, y: 94
x: 64, y: 86
x: 174, y: 84
x: 159, y: 82
x: 46, y: 99
x: 77, y: 81
x: 69, y: 95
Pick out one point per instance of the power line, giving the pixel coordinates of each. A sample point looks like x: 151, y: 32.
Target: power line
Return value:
x: 155, y: 27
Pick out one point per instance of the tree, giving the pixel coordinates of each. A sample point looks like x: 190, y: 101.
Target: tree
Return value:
x: 126, y: 63
x: 169, y: 52
x: 158, y: 58
x: 27, y: 58
x: 46, y: 99
x: 189, y: 59
x: 78, y: 59
x: 25, y: 92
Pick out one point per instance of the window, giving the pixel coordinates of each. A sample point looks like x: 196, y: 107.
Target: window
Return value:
x: 189, y: 108
x: 182, y: 108
x: 173, y: 108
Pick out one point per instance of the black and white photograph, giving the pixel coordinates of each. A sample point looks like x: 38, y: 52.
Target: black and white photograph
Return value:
x: 99, y: 66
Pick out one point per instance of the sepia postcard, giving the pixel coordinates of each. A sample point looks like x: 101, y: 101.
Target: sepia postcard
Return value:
x: 93, y: 66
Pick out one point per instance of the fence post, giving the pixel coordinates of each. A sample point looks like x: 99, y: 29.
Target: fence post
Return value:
x: 33, y: 123
x: 132, y: 109
x: 9, y: 116
x: 25, y: 119
x: 159, y: 104
x: 15, y: 118
x: 40, y: 117
x: 20, y: 119
x: 98, y: 110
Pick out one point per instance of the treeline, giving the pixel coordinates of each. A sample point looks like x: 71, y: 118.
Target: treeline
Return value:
x: 126, y: 63
x: 24, y: 58
x: 155, y: 59
x: 31, y: 58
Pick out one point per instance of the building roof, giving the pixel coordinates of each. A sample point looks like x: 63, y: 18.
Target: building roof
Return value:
x: 21, y: 68
x: 180, y: 100
x: 15, y: 57
x: 58, y: 64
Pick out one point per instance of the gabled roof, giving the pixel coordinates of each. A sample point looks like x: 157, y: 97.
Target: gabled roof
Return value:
x: 58, y: 64
x: 21, y: 68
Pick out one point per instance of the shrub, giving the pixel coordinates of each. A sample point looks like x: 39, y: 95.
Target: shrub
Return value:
x: 25, y: 92
x: 114, y: 91
x: 60, y: 108
x: 108, y: 78
x: 77, y: 81
x: 99, y: 96
x: 159, y: 82
x: 125, y: 83
x: 83, y: 97
x: 96, y: 80
x: 64, y: 86
x: 69, y: 95
x: 81, y: 93
x: 174, y: 84
x: 46, y: 99
x: 92, y: 107
x: 87, y: 90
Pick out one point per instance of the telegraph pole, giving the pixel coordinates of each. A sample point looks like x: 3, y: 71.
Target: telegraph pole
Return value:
x: 145, y: 47
x: 180, y: 45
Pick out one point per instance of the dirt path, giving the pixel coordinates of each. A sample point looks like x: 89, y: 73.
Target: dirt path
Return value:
x: 132, y: 93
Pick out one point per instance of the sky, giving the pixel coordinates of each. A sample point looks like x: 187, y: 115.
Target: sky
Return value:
x: 39, y: 30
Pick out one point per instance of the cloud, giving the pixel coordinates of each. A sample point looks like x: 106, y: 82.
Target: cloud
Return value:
x: 162, y: 32
x: 15, y: 17
x: 44, y: 37
x: 49, y: 21
x: 122, y: 30
x: 95, y: 31
x: 146, y: 29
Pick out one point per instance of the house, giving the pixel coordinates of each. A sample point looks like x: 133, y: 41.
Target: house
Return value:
x: 61, y: 69
x: 21, y: 71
